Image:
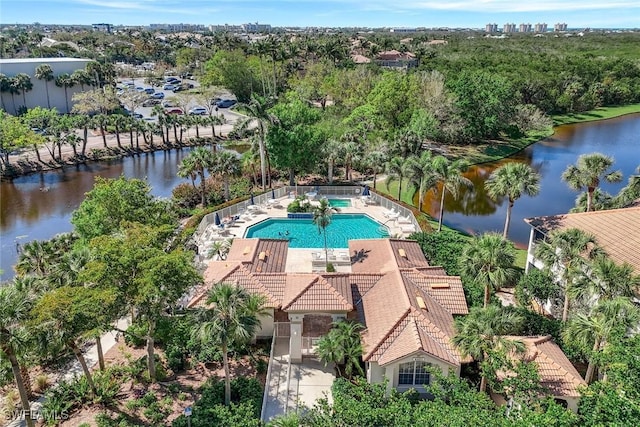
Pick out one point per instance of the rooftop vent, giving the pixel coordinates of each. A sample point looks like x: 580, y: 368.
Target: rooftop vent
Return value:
x: 402, y: 253
x: 262, y: 256
x: 246, y: 250
x: 440, y: 286
x: 421, y: 303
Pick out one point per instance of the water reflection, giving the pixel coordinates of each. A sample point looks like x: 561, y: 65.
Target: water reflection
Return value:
x: 474, y: 211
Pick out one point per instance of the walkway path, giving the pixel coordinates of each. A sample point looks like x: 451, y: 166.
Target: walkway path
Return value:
x: 108, y: 341
x: 294, y: 386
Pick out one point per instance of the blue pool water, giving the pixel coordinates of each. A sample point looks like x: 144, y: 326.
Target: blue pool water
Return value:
x: 340, y: 203
x: 303, y: 233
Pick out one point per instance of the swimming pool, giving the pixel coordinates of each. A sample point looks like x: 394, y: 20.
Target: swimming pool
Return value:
x: 340, y: 203
x: 303, y: 233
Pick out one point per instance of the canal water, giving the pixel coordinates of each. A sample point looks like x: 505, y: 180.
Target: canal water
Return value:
x: 475, y: 212
x: 39, y: 206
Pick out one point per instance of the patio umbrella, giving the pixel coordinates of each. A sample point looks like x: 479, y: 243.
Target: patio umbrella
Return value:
x: 252, y: 202
x: 273, y: 194
x: 365, y: 192
x: 217, y: 219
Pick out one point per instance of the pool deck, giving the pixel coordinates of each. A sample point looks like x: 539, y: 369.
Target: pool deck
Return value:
x: 299, y: 260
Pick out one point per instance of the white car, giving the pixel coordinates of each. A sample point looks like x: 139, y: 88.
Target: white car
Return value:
x: 168, y: 86
x: 198, y: 111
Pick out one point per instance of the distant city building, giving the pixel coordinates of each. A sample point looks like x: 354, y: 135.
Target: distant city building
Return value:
x: 105, y: 28
x: 525, y: 28
x: 177, y: 27
x: 491, y: 28
x: 37, y: 96
x: 403, y: 30
x: 256, y: 28
x: 540, y: 28
x: 560, y: 27
x: 225, y: 28
x: 509, y: 28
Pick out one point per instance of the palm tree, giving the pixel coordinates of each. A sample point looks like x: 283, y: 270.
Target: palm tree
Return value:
x: 226, y: 165
x: 396, y: 170
x: 24, y: 85
x: 342, y: 347
x: 593, y: 330
x: 44, y: 72
x: 450, y: 175
x: 420, y: 174
x: 588, y: 172
x: 568, y: 250
x: 198, y: 161
x: 231, y: 317
x: 257, y: 113
x: 480, y: 333
x: 489, y: 261
x: 607, y: 280
x: 322, y: 218
x: 629, y: 192
x: 512, y: 180
x: 14, y: 309
x: 65, y: 81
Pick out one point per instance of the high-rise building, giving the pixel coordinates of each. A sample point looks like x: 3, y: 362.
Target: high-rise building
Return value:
x: 525, y: 28
x: 509, y: 28
x: 256, y: 28
x: 560, y: 27
x: 540, y: 28
x: 491, y: 28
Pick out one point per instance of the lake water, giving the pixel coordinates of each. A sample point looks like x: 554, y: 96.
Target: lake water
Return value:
x: 475, y: 212
x: 29, y: 213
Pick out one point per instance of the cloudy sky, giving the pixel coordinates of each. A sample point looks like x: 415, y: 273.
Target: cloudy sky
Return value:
x: 369, y: 13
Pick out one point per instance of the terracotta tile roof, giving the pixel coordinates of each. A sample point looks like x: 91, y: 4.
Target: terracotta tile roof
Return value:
x: 383, y: 255
x: 397, y: 327
x: 394, y: 55
x: 616, y: 230
x: 447, y: 290
x: 360, y: 59
x: 432, y: 271
x: 310, y: 292
x: 557, y: 374
x: 248, y: 251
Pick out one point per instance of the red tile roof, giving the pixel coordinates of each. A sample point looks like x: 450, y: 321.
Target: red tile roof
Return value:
x: 617, y: 231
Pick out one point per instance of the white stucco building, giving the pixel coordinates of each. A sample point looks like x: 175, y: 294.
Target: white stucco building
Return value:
x: 38, y: 95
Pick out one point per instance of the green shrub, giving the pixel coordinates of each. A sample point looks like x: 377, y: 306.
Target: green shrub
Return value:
x: 186, y: 195
x: 135, y: 334
x: 443, y: 249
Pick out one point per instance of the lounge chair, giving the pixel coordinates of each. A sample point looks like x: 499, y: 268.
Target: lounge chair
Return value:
x: 408, y: 228
x: 389, y: 213
x: 404, y: 220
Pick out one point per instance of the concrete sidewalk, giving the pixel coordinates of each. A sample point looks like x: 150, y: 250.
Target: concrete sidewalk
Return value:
x: 291, y: 386
x: 107, y: 340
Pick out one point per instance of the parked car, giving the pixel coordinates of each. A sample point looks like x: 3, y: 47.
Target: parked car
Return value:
x: 174, y: 111
x: 168, y: 104
x: 149, y: 91
x: 139, y: 89
x: 158, y: 95
x: 183, y: 86
x: 215, y: 101
x: 172, y: 79
x: 150, y: 102
x: 169, y: 86
x: 226, y: 103
x: 198, y: 111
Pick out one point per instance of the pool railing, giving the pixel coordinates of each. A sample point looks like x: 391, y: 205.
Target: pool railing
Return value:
x: 351, y: 191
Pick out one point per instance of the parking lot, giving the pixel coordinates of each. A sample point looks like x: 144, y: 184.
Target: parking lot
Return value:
x: 228, y: 113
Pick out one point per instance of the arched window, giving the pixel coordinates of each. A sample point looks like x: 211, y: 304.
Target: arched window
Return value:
x: 413, y: 373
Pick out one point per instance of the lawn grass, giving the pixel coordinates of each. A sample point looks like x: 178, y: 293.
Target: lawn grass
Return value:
x: 597, y: 114
x: 521, y: 258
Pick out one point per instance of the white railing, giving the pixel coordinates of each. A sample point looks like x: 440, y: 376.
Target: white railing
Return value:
x: 265, y: 396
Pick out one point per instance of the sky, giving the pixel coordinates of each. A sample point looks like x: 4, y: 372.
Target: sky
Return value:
x: 327, y: 13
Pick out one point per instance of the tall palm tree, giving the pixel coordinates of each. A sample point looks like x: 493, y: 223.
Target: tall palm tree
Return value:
x: 420, y: 174
x: 512, y: 180
x: 568, y: 250
x: 588, y: 172
x: 396, y: 170
x: 322, y: 218
x: 489, y: 261
x: 231, y: 317
x: 450, y: 175
x: 14, y: 309
x: 481, y: 332
x: 65, y: 81
x: 44, y: 72
x: 630, y: 192
x: 593, y: 330
x: 226, y: 165
x: 606, y: 280
x: 257, y: 114
x: 24, y: 85
x: 199, y: 160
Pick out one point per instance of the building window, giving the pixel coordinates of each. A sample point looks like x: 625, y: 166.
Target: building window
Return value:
x: 413, y: 373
